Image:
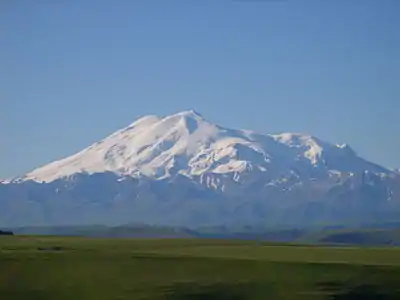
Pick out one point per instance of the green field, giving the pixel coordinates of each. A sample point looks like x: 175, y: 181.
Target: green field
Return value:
x: 42, y: 268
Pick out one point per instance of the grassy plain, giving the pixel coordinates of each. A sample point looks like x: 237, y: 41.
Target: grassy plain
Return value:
x: 44, y: 268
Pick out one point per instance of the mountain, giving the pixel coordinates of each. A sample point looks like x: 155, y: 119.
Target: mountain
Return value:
x: 187, y: 144
x: 182, y: 170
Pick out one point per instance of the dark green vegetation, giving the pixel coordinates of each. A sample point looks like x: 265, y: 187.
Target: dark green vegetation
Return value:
x: 42, y: 268
x: 3, y: 232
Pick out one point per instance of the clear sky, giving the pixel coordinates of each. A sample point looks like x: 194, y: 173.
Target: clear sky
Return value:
x: 72, y: 72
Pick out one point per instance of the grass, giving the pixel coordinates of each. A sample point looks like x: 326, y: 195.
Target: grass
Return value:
x: 42, y: 268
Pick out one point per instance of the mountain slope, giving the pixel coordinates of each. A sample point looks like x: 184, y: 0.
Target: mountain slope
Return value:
x: 186, y: 171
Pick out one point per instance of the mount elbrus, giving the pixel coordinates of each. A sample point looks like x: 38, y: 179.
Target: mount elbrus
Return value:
x: 182, y: 170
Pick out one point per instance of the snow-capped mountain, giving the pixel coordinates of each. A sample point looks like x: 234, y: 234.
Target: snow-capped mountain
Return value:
x: 187, y: 144
x: 184, y: 170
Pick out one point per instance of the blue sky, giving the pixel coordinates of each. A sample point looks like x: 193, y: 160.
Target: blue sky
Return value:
x: 72, y: 72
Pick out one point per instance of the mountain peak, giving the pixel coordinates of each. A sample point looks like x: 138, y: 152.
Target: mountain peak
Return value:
x: 190, y: 112
x: 150, y: 120
x: 193, y: 114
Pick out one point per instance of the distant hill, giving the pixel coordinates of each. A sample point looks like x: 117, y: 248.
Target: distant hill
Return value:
x: 362, y: 237
x: 329, y: 236
x: 125, y: 231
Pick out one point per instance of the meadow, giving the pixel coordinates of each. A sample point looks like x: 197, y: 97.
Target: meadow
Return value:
x: 43, y: 268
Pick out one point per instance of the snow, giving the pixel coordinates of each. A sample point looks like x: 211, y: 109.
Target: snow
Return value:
x: 311, y: 147
x: 186, y: 143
